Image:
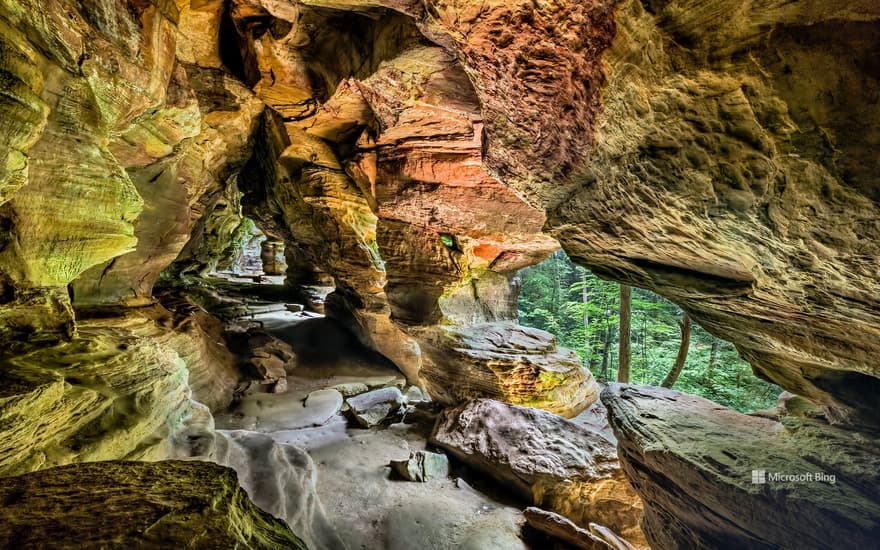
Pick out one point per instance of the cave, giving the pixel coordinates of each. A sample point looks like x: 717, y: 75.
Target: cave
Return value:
x: 265, y: 274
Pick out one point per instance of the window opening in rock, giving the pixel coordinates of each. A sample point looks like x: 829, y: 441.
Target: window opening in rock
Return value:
x: 583, y: 311
x: 253, y: 256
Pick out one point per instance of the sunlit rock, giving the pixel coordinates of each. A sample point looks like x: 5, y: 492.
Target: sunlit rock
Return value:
x: 507, y: 362
x: 548, y: 460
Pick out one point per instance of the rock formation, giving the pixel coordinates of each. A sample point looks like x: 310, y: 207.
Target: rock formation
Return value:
x: 507, y: 362
x: 549, y: 461
x: 411, y: 157
x: 117, y: 390
x: 734, y: 172
x: 564, y: 530
x: 707, y: 475
x: 170, y: 504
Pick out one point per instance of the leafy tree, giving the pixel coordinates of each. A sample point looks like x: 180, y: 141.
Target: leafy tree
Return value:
x: 583, y: 311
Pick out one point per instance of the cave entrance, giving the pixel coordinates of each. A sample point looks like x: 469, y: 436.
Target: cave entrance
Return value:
x: 254, y: 256
x: 583, y: 311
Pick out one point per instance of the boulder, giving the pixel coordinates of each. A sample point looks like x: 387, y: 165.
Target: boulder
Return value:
x: 323, y: 405
x: 548, y: 460
x: 422, y: 466
x: 265, y: 367
x: 414, y: 395
x: 167, y: 504
x: 507, y: 362
x: 280, y: 386
x: 564, y: 530
x: 711, y: 477
x: 371, y: 408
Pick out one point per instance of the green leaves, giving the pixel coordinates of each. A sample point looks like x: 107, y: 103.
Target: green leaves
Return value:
x: 582, y: 311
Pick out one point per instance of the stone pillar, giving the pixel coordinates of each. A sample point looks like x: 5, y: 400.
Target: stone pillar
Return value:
x: 272, y: 256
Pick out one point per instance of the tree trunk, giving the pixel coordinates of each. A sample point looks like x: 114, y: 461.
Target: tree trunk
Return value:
x: 710, y: 370
x: 625, y: 318
x: 605, y: 349
x: 645, y: 342
x: 685, y: 325
x: 585, y: 297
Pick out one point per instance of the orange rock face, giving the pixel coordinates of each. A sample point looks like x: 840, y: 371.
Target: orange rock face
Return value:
x: 372, y: 169
x: 416, y: 152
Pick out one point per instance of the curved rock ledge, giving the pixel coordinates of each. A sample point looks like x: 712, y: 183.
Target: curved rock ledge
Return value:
x: 693, y: 461
x: 169, y: 504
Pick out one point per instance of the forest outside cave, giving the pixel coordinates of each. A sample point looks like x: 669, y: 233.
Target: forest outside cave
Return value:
x: 583, y: 311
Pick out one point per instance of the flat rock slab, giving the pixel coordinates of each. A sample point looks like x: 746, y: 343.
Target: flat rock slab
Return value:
x: 168, y: 504
x: 550, y: 461
x: 709, y: 476
x: 351, y: 389
x: 321, y: 405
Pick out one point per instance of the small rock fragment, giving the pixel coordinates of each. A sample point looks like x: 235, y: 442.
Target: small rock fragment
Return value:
x: 422, y: 466
x: 373, y: 407
x: 280, y: 386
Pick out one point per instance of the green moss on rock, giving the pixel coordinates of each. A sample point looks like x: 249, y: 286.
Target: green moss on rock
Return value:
x: 168, y: 504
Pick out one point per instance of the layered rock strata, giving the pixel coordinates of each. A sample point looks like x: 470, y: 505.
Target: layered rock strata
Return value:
x: 710, y: 476
x: 117, y: 390
x: 506, y: 362
x: 136, y: 505
x: 734, y: 171
x: 371, y: 169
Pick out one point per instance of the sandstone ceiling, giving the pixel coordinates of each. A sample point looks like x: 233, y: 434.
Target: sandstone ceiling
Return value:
x: 415, y: 155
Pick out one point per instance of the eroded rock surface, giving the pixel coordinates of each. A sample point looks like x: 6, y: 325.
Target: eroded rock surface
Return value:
x: 279, y: 478
x: 734, y: 172
x: 118, y: 390
x: 506, y: 362
x: 545, y: 458
x: 564, y: 530
x: 136, y: 505
x: 693, y: 463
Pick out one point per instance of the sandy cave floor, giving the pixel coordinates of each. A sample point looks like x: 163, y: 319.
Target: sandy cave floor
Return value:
x: 368, y: 507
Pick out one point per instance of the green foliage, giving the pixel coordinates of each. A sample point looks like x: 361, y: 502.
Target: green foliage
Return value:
x: 447, y: 240
x: 582, y: 310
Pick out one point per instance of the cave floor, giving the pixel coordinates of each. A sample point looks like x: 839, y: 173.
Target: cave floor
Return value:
x: 366, y: 505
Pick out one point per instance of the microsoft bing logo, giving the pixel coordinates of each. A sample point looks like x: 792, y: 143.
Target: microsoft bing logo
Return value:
x: 759, y: 476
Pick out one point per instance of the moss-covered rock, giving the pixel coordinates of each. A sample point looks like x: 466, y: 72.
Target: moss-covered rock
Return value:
x: 168, y: 504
